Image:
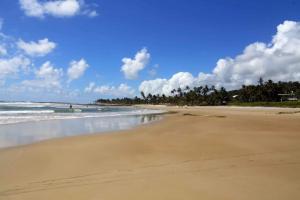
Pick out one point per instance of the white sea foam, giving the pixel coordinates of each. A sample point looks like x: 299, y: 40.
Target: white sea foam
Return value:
x: 9, y: 112
x: 13, y: 117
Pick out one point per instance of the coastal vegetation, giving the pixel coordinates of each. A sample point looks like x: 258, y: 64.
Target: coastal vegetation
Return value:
x: 269, y: 93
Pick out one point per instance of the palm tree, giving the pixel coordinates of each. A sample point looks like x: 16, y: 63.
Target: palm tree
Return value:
x: 143, y: 95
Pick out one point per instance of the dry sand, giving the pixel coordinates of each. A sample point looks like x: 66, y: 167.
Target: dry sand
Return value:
x: 197, y: 153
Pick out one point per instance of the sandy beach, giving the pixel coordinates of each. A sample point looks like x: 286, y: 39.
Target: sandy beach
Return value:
x: 193, y: 153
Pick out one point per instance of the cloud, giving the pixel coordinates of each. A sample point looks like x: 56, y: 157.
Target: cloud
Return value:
x: 77, y: 69
x: 123, y: 90
x: 90, y: 87
x: 21, y: 80
x: 92, y: 13
x: 40, y: 48
x: 278, y: 60
x: 3, y: 50
x: 62, y: 8
x: 12, y: 66
x: 16, y: 64
x: 56, y: 8
x: 47, y: 77
x: 48, y: 71
x: 131, y: 67
x: 165, y: 86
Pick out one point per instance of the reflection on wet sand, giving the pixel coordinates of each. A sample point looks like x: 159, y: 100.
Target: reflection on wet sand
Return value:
x: 30, y: 132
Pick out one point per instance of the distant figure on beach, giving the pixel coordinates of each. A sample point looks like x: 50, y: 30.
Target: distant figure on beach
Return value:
x: 71, y: 107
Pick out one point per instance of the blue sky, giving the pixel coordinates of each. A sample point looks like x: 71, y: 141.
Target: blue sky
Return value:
x: 178, y: 36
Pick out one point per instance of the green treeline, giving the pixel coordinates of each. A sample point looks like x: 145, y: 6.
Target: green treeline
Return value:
x: 264, y: 94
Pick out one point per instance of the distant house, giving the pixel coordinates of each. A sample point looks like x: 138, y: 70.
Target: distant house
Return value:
x: 288, y: 97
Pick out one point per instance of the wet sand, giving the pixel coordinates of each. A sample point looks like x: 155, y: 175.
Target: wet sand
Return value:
x: 193, y: 153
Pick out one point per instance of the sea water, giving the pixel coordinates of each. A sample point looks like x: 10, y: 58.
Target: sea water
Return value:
x: 26, y: 122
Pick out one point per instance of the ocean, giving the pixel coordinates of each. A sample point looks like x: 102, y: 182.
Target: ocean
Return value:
x: 24, y: 123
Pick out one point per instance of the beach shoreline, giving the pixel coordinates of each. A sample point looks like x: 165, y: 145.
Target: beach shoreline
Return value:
x: 193, y: 153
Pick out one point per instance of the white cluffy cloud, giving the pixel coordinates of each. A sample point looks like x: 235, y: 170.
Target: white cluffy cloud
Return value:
x: 120, y: 91
x: 19, y: 78
x: 131, y: 67
x: 3, y: 50
x: 46, y: 77
x: 165, y: 86
x: 278, y: 60
x: 13, y: 66
x: 77, y: 69
x: 56, y: 8
x: 40, y: 48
